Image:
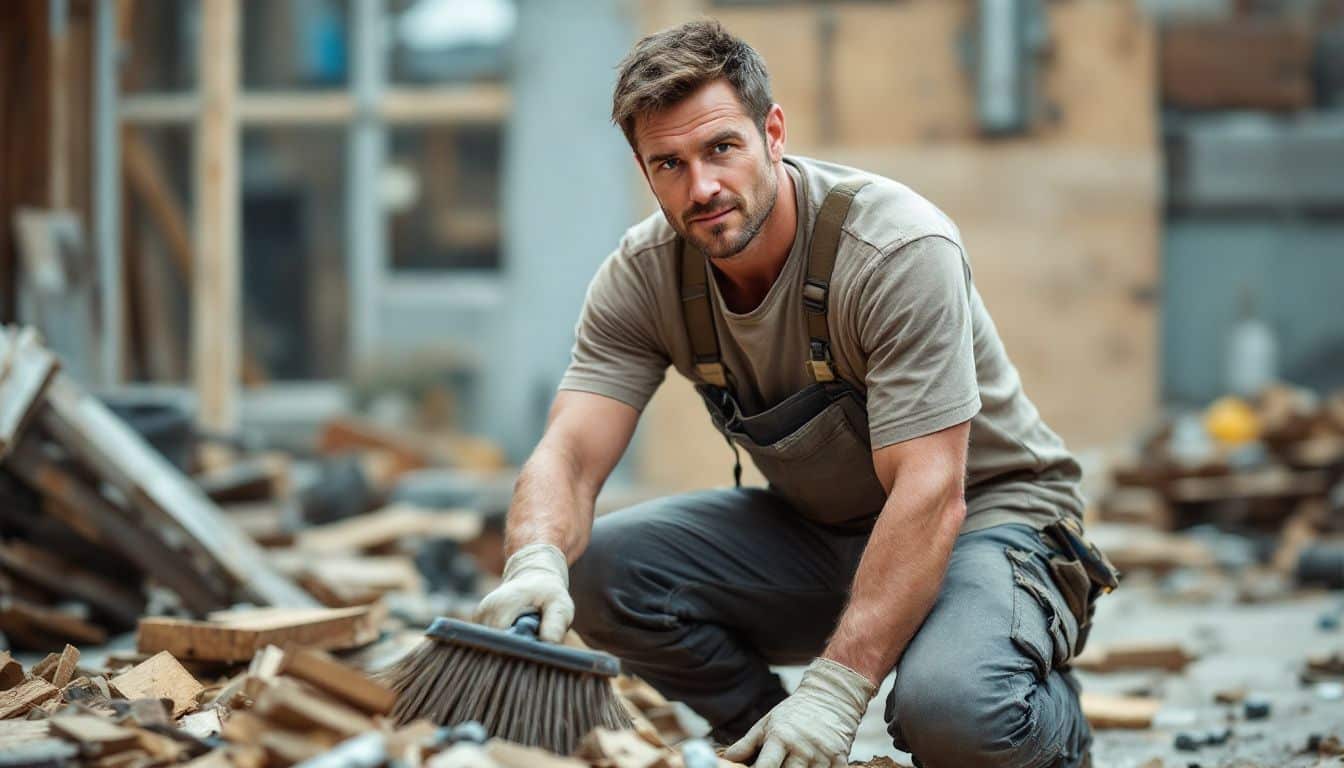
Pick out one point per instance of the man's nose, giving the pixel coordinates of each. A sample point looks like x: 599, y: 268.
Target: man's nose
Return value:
x: 704, y: 184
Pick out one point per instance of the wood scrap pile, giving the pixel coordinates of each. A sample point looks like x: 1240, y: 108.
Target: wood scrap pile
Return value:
x: 1273, y: 465
x: 98, y: 528
x: 289, y: 706
x: 90, y: 514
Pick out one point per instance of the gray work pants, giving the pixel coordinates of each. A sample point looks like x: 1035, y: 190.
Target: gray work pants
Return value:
x: 700, y: 593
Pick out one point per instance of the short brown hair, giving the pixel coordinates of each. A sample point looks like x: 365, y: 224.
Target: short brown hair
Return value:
x: 666, y: 67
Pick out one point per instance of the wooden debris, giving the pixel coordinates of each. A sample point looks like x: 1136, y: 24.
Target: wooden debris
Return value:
x: 123, y: 459
x: 345, y: 683
x: 1144, y: 655
x: 46, y: 666
x: 65, y: 666
x: 16, y: 701
x: 11, y: 671
x: 16, y: 732
x: 96, y: 736
x: 265, y: 665
x: 387, y: 526
x: 622, y: 749
x: 1106, y: 711
x: 288, y: 705
x: 36, y: 626
x: 25, y: 371
x: 201, y: 724
x: 506, y: 754
x: 162, y: 676
x: 60, y: 577
x: 237, y: 636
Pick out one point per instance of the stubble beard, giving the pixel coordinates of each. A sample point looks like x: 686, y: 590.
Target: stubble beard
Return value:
x: 714, y: 246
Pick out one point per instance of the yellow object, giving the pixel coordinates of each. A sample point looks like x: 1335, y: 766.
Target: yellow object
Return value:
x: 1232, y: 421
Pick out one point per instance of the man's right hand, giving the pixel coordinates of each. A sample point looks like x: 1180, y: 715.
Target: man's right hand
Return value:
x: 536, y: 578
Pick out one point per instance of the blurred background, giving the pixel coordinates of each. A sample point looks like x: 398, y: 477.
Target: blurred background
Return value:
x: 406, y: 198
x: 327, y: 256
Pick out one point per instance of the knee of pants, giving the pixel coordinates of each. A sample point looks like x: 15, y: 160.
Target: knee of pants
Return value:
x: 613, y: 591
x: 957, y: 718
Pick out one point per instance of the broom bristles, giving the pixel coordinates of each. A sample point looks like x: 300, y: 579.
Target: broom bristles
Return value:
x: 522, y: 701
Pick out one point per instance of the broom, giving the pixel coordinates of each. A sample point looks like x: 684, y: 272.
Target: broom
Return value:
x: 520, y: 688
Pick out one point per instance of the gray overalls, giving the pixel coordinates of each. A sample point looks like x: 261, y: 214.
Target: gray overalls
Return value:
x: 700, y: 593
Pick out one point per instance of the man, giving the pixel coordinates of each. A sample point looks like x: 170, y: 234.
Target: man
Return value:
x: 829, y: 320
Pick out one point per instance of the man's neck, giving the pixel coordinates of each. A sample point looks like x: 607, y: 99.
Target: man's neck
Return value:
x: 745, y: 279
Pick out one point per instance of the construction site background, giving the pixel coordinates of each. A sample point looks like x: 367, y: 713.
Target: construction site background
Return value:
x: 325, y: 258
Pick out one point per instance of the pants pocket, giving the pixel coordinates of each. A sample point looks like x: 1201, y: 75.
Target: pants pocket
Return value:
x: 1044, y: 628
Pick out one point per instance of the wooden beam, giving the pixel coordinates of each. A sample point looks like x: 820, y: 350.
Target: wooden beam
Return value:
x: 216, y: 329
x: 477, y: 103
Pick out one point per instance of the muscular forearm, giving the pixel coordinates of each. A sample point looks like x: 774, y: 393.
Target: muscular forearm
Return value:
x: 551, y: 504
x: 900, y: 573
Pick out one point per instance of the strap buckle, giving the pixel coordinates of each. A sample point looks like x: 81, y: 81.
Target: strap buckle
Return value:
x: 819, y: 361
x: 814, y: 295
x: 713, y: 373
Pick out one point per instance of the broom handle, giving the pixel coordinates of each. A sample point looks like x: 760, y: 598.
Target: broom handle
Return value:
x: 527, y: 625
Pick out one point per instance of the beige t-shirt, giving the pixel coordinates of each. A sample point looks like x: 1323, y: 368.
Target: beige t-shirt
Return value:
x: 908, y: 329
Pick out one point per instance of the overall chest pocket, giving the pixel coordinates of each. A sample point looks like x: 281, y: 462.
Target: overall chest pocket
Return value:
x: 813, y: 448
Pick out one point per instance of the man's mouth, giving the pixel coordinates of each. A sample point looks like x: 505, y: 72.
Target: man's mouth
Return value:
x: 713, y: 218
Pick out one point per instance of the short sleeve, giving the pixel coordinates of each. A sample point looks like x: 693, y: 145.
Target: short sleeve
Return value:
x: 616, y: 348
x: 914, y: 326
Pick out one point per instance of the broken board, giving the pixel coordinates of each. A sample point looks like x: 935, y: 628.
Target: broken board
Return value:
x: 121, y: 457
x: 237, y: 635
x: 160, y: 677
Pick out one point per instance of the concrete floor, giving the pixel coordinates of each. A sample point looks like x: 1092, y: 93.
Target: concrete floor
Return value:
x: 1260, y: 647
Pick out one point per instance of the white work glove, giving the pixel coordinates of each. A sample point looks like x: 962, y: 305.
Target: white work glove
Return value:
x: 536, y: 578
x: 813, y: 728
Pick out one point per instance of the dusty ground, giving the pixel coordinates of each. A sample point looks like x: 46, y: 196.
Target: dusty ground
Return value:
x: 1259, y: 647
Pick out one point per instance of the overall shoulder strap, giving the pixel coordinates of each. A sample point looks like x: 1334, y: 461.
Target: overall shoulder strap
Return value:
x: 826, y: 233
x: 699, y: 315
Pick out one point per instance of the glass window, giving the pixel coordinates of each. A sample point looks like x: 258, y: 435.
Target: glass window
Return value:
x: 295, y: 293
x: 295, y: 44
x: 157, y: 251
x: 440, y: 191
x: 161, y: 47
x: 449, y: 41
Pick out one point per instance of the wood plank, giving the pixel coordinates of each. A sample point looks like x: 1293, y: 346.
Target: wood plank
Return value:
x: 1106, y: 711
x: 1142, y: 655
x: 26, y: 368
x: 61, y: 577
x: 216, y: 327
x: 35, y: 625
x: 65, y: 666
x: 46, y: 666
x: 96, y: 736
x: 16, y: 732
x: 16, y: 701
x: 121, y: 457
x: 387, y: 526
x: 161, y: 676
x: 342, y: 681
x: 287, y: 705
x: 105, y: 524
x: 240, y: 635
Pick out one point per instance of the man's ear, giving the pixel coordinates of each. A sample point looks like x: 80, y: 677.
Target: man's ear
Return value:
x: 775, y: 133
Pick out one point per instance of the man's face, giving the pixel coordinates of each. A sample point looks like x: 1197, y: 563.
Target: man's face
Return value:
x: 710, y: 168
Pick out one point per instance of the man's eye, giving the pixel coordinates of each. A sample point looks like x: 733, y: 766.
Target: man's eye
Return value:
x: 668, y: 164
x: 722, y: 147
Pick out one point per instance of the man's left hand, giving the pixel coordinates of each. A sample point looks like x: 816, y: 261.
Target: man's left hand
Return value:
x: 813, y: 728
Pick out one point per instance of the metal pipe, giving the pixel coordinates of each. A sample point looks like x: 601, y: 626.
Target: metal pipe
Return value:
x: 107, y: 187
